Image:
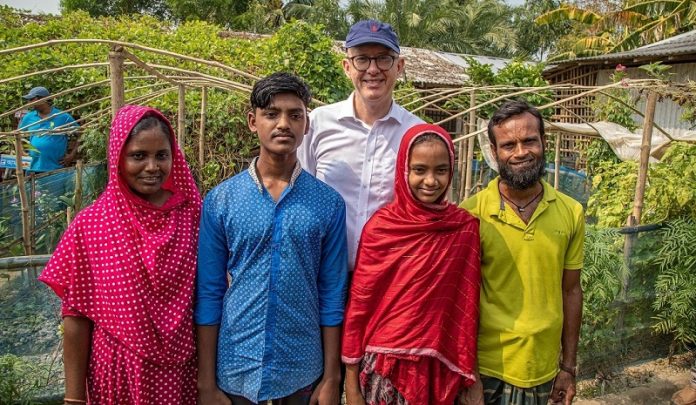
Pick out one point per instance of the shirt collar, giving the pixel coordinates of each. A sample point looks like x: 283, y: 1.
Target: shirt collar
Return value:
x: 259, y: 185
x: 346, y: 110
x: 494, y: 201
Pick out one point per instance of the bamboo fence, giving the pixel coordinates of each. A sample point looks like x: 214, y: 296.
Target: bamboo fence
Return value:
x: 209, y: 76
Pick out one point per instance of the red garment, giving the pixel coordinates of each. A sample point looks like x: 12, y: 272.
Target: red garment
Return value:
x: 129, y: 267
x: 415, y: 291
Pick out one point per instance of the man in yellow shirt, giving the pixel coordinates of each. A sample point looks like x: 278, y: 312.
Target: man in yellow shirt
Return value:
x: 532, y: 252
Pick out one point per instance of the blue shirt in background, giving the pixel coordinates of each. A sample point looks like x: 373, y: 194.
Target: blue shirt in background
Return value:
x: 50, y: 149
x: 287, y: 262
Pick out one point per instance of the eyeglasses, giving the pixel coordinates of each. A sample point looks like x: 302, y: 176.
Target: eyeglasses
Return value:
x: 383, y: 62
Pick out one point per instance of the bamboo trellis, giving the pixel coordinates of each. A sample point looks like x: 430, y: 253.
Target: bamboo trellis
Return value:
x: 206, y: 76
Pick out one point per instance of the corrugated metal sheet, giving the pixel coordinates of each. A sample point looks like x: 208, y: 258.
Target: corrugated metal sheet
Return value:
x: 682, y: 46
x: 667, y: 112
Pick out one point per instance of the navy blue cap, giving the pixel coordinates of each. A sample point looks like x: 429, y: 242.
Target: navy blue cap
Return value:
x: 37, y: 92
x: 372, y: 32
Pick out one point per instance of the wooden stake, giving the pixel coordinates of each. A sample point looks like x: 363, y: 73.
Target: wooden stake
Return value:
x: 644, y: 156
x: 181, y: 117
x: 462, y: 161
x: 32, y: 211
x: 116, y: 75
x: 201, y: 135
x: 635, y: 217
x: 470, y: 144
x: 557, y: 161
x: 78, y: 186
x: 21, y: 186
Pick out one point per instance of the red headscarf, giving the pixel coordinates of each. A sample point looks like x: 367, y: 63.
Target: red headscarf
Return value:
x: 415, y: 290
x: 128, y: 265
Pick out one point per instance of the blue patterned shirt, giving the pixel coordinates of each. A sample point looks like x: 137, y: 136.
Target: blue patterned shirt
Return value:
x: 287, y: 264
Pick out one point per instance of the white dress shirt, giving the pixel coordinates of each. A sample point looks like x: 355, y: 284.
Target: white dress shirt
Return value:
x: 355, y: 159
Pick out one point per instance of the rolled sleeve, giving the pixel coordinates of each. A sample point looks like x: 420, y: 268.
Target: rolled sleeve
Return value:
x: 333, y: 271
x: 211, y: 280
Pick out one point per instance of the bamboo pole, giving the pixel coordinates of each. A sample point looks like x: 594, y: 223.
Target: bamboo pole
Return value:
x: 146, y: 67
x: 557, y: 161
x: 22, y: 262
x: 471, y: 144
x: 131, y: 45
x: 635, y: 217
x: 461, y: 164
x: 78, y: 186
x: 181, y: 117
x: 644, y: 156
x: 32, y: 211
x: 201, y: 135
x: 21, y: 186
x: 116, y: 76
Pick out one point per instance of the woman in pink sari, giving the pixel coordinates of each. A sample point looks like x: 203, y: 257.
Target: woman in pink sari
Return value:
x: 125, y: 271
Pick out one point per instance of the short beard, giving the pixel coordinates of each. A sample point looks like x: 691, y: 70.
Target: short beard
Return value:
x: 524, y: 179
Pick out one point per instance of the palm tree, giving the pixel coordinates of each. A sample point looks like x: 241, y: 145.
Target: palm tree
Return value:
x: 481, y: 26
x: 329, y: 13
x: 638, y: 23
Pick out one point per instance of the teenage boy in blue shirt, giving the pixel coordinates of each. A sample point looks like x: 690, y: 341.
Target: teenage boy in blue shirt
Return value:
x: 273, y: 331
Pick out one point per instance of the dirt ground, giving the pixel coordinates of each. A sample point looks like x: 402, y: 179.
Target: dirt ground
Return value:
x: 648, y: 383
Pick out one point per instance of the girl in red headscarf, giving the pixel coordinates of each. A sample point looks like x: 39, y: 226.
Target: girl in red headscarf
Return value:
x: 125, y: 270
x: 412, y: 317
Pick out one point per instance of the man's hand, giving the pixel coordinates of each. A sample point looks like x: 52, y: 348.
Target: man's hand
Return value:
x: 326, y: 392
x: 212, y: 396
x: 473, y: 395
x: 563, y: 388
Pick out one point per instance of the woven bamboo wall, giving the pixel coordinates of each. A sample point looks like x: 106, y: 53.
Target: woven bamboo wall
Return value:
x: 574, y: 111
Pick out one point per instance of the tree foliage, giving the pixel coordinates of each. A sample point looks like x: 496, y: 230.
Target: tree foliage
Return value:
x: 299, y: 47
x: 103, y: 8
x: 669, y: 193
x: 481, y: 27
x: 517, y: 73
x: 539, y: 40
x: 601, y: 30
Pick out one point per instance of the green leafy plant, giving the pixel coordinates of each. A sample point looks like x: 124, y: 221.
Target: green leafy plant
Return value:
x: 675, y: 287
x: 517, y: 73
x: 22, y: 380
x: 613, y: 105
x: 600, y: 284
x: 669, y: 192
x: 297, y: 47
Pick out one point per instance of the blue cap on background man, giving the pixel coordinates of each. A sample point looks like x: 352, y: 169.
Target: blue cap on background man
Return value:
x: 372, y: 32
x: 39, y: 91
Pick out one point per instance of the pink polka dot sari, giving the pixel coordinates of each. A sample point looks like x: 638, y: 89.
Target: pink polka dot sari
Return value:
x: 129, y: 267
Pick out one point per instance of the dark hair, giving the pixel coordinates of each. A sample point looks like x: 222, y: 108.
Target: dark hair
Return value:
x: 428, y: 137
x: 150, y: 121
x: 280, y: 82
x: 511, y: 109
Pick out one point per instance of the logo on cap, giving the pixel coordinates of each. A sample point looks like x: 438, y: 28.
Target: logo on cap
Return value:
x: 374, y: 27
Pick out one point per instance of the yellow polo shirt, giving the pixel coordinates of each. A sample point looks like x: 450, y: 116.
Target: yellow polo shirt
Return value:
x: 522, y: 271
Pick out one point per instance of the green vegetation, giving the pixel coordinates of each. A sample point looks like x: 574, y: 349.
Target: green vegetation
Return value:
x: 676, y: 284
x: 297, y: 47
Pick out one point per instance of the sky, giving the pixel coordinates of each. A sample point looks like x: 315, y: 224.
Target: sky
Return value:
x: 53, y: 6
x: 36, y: 6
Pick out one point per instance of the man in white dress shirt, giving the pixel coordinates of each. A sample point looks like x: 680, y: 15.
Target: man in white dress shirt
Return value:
x: 352, y: 145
